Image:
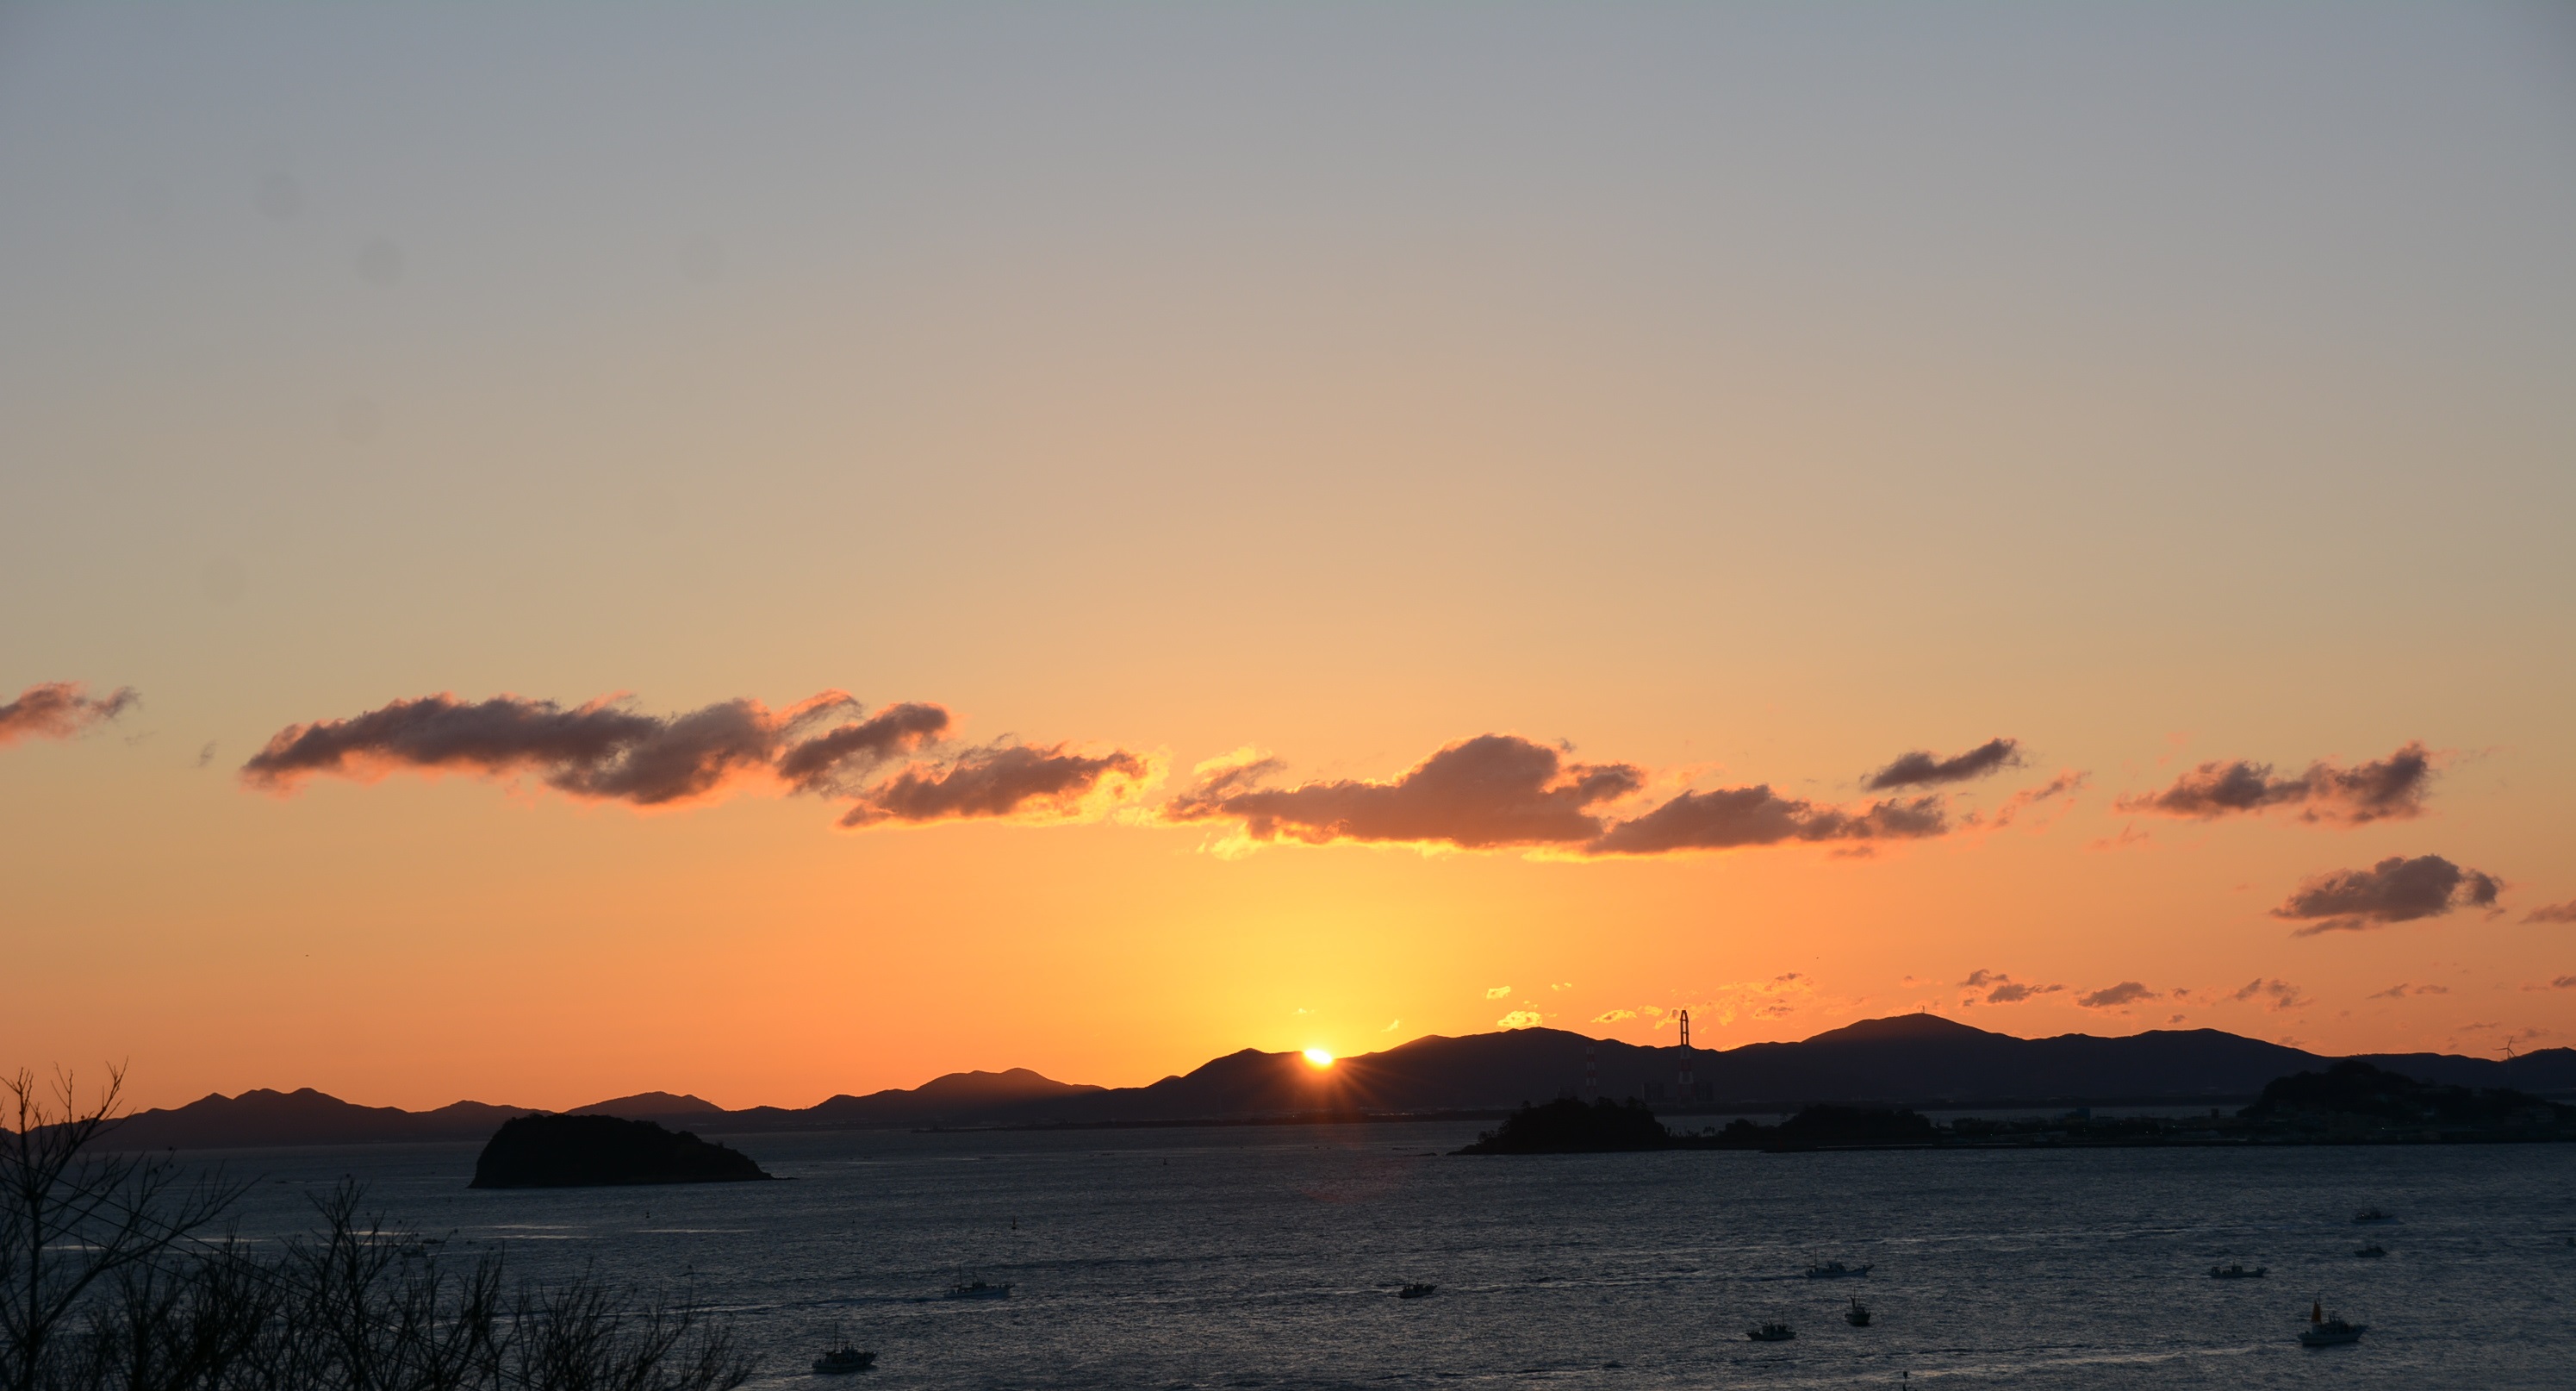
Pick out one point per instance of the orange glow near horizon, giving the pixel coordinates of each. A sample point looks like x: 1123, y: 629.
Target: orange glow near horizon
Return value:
x: 1848, y: 554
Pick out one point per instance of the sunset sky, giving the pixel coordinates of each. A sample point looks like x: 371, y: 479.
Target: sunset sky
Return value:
x: 773, y: 551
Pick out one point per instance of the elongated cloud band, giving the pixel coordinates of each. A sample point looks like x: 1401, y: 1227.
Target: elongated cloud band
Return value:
x: 1736, y: 817
x: 1923, y: 768
x: 2002, y: 989
x: 59, y: 710
x: 1007, y: 780
x: 2387, y: 789
x: 827, y: 745
x: 2127, y: 992
x: 2395, y: 890
x: 1498, y: 791
x: 1491, y: 791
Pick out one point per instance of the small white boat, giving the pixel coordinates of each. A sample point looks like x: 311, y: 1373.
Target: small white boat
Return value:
x: 2238, y: 1272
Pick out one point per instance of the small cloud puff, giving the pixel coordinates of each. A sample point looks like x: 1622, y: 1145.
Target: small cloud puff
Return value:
x: 59, y: 710
x: 1492, y: 791
x: 2002, y: 989
x: 1015, y: 781
x: 2127, y: 992
x: 2401, y: 990
x: 2552, y: 913
x: 2065, y: 784
x: 2386, y: 789
x: 1519, y: 1019
x: 2394, y: 890
x: 1613, y: 1016
x: 2274, y: 995
x: 1777, y: 998
x: 1496, y: 992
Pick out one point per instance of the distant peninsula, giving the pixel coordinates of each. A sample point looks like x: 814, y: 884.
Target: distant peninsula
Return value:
x: 2349, y: 1103
x: 1568, y: 1126
x: 599, y: 1151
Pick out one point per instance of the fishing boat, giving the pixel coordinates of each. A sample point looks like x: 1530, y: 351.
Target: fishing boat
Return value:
x: 1772, y: 1333
x: 843, y: 1359
x: 2372, y: 1214
x: 2323, y: 1332
x: 2238, y: 1272
x: 2374, y: 1249
x: 1857, y: 1315
x: 977, y: 1289
x: 1416, y: 1290
x: 1836, y: 1270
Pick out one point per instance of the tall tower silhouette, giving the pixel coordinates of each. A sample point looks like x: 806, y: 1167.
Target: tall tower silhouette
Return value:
x: 1685, y: 1086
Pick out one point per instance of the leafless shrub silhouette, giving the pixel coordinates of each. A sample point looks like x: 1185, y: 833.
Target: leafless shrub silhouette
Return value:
x: 114, y: 1278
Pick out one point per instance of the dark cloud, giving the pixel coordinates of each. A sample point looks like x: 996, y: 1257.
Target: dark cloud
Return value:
x: 2394, y: 890
x: 604, y: 751
x: 1740, y: 816
x: 2552, y: 913
x: 59, y: 710
x: 2127, y: 992
x: 2274, y: 995
x: 1006, y: 780
x: 1490, y: 791
x: 825, y: 762
x: 1499, y: 791
x: 600, y: 751
x: 2002, y: 989
x: 2401, y: 991
x: 1923, y: 768
x: 2389, y: 789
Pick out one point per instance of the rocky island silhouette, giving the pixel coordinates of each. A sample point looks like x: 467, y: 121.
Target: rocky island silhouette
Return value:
x: 550, y: 1151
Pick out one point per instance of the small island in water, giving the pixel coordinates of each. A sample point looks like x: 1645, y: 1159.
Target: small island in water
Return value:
x: 596, y: 1151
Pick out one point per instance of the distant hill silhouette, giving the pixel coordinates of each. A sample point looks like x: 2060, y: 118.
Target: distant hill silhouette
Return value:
x: 650, y: 1106
x: 1919, y: 1060
x: 300, y: 1117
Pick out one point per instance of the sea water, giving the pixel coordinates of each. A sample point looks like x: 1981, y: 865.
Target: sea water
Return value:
x: 1270, y: 1256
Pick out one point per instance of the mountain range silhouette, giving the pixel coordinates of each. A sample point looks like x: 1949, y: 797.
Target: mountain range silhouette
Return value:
x: 1919, y: 1060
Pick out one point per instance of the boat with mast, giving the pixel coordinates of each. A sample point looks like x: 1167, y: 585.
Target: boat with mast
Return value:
x: 2324, y: 1332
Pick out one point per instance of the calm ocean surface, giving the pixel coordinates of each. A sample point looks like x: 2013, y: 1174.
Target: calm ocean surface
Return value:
x: 1269, y: 1257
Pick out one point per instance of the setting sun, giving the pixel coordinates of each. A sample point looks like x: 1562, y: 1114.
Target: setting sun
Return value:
x: 1319, y: 1057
